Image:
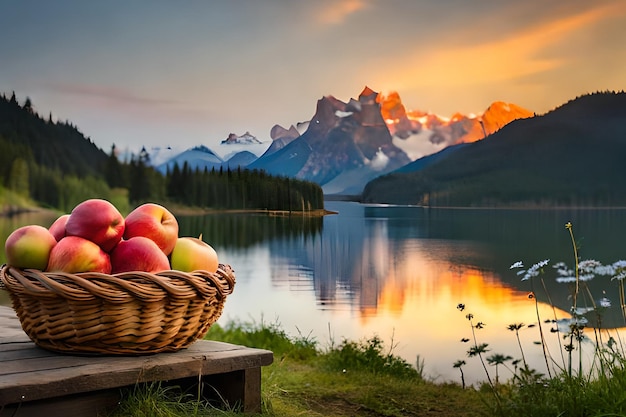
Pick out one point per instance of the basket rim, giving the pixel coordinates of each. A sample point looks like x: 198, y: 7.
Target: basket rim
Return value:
x: 116, y: 288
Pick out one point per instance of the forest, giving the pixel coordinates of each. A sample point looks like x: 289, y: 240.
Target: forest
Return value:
x: 53, y: 164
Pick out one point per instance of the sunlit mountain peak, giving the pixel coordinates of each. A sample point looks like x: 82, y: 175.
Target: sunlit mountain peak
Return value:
x: 420, y: 133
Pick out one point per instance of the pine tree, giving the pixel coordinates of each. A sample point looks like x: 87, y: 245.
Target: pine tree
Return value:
x: 19, y: 178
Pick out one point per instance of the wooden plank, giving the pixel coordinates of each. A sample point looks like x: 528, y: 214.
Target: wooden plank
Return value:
x: 35, y: 381
x: 60, y: 374
x: 89, y: 404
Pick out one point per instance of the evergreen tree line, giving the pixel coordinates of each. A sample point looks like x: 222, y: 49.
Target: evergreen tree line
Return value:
x: 241, y: 189
x: 55, y: 165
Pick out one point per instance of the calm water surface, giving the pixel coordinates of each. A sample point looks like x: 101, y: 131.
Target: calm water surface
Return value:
x: 399, y: 273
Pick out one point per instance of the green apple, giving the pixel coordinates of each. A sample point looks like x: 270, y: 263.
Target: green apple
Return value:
x: 192, y: 254
x: 29, y: 247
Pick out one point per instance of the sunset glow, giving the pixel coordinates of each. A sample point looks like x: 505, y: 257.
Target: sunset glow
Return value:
x: 160, y: 75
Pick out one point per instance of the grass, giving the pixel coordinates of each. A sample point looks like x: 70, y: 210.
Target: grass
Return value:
x: 353, y: 378
x: 365, y: 377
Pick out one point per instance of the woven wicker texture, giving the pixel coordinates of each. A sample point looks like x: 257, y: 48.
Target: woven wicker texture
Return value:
x: 128, y: 313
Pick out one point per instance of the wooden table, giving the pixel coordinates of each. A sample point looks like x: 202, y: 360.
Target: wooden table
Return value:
x: 35, y: 381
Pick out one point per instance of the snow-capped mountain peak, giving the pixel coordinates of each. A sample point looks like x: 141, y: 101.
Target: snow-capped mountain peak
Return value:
x: 420, y: 133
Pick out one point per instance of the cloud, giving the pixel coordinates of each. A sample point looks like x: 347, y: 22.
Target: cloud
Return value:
x: 336, y: 12
x: 509, y: 58
x: 121, y: 105
x: 109, y: 94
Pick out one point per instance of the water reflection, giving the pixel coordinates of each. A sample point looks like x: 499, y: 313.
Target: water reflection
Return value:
x: 245, y: 229
x: 400, y: 272
x: 409, y: 301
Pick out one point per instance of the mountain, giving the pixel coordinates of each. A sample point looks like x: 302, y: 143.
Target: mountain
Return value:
x: 240, y: 159
x: 345, y: 145
x: 348, y: 139
x: 199, y: 157
x: 572, y: 155
x: 246, y: 138
x: 246, y: 143
x: 233, y: 152
x: 282, y: 137
x: 421, y: 133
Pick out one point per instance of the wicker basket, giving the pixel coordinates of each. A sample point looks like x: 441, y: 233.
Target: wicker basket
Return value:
x: 123, y: 314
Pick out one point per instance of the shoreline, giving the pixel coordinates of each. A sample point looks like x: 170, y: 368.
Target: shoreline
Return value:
x: 191, y: 211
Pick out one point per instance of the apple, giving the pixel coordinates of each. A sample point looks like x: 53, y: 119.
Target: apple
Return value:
x: 29, y: 247
x: 98, y: 221
x: 154, y: 222
x: 138, y: 253
x: 75, y: 254
x: 57, y: 228
x: 192, y: 254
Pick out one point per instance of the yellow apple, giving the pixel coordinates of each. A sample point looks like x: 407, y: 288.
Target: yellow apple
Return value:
x: 29, y: 247
x: 192, y: 254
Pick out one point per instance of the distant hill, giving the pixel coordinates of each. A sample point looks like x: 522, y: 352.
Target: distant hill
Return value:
x: 573, y: 155
x: 199, y: 157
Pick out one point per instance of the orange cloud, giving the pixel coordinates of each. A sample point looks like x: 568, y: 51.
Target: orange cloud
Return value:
x: 504, y: 59
x: 337, y: 12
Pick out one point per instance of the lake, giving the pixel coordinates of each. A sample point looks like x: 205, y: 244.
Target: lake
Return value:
x: 399, y: 273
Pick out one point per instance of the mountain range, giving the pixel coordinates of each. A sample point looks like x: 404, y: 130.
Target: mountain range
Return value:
x: 345, y: 145
x: 570, y: 156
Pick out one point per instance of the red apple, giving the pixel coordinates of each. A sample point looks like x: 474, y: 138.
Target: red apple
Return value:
x: 138, y: 254
x: 192, y: 254
x: 154, y: 222
x: 57, y: 228
x: 75, y: 254
x: 98, y: 221
x: 29, y: 247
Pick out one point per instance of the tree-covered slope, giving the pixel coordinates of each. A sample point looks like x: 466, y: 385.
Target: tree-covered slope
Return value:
x: 54, y: 145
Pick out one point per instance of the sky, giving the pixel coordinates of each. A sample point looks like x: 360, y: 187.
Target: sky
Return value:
x: 160, y: 73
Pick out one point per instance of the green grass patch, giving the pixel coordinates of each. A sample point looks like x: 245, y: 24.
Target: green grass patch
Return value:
x: 361, y: 378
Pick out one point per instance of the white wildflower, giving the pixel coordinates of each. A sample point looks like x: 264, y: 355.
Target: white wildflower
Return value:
x: 534, y: 270
x: 586, y: 277
x: 619, y: 276
x: 588, y: 265
x: 605, y: 270
x: 579, y: 311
